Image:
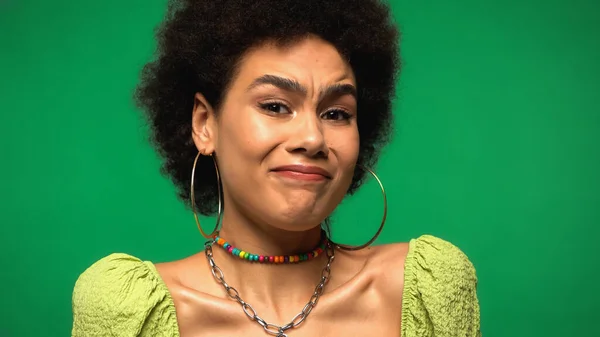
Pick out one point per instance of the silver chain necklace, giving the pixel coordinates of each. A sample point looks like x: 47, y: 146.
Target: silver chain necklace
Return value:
x: 272, y: 329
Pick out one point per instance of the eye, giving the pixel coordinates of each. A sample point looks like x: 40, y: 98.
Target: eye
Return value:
x: 275, y: 107
x: 336, y: 115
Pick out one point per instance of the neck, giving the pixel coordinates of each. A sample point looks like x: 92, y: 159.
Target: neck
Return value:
x: 277, y: 288
x: 268, y: 240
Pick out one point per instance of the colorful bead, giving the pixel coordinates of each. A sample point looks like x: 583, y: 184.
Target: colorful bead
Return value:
x: 271, y: 259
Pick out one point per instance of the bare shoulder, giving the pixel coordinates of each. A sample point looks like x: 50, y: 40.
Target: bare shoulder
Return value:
x: 182, y: 272
x: 393, y: 250
x: 186, y: 279
x: 388, y: 256
x: 382, y: 265
x: 387, y: 262
x: 189, y: 287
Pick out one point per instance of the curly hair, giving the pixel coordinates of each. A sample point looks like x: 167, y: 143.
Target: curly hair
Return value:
x: 201, y: 43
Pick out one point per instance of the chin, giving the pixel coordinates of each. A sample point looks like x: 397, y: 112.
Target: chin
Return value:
x: 297, y: 221
x: 299, y: 210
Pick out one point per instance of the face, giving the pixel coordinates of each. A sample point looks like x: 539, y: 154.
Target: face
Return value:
x: 286, y: 136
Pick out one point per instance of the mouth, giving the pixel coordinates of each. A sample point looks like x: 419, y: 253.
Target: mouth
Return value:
x: 303, y: 172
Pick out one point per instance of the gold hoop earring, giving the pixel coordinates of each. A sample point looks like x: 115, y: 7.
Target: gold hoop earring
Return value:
x: 215, y: 231
x: 348, y: 247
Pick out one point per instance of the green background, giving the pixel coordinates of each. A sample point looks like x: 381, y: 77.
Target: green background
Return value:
x: 496, y: 150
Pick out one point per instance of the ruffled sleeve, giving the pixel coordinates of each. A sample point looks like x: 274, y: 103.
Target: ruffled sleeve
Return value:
x: 440, y: 291
x: 122, y: 296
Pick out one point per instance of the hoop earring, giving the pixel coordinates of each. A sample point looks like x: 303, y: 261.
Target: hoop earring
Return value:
x: 215, y: 231
x: 348, y: 247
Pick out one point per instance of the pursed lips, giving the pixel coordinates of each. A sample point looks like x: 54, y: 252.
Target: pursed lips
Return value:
x: 303, y: 172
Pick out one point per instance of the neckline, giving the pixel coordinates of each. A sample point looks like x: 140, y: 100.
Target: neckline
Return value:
x: 408, y: 268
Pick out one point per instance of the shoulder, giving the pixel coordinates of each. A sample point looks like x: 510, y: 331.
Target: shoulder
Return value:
x: 117, y: 275
x: 120, y: 295
x: 441, y: 256
x: 112, y: 266
x: 440, y: 292
x: 381, y: 265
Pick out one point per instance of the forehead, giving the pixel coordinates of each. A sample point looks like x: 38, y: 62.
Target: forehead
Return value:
x: 310, y: 61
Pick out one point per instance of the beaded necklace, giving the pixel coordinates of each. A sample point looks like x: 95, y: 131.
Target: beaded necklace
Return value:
x: 278, y: 259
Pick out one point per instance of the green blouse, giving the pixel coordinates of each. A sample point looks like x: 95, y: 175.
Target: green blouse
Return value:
x: 121, y: 295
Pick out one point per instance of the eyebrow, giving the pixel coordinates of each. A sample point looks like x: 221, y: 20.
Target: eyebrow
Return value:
x: 337, y: 90
x: 279, y: 82
x: 294, y: 86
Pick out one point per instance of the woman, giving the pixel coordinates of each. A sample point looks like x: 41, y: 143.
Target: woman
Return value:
x: 274, y: 111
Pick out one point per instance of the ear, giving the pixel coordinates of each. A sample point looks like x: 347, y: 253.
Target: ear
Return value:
x: 204, y: 126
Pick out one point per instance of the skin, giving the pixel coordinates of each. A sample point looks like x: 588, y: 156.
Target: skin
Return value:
x: 292, y: 105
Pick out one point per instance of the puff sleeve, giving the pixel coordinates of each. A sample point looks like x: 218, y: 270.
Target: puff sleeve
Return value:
x: 440, y: 291
x: 120, y: 295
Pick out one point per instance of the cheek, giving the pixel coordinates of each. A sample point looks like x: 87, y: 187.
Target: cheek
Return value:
x: 244, y: 140
x: 347, y: 146
x: 243, y: 131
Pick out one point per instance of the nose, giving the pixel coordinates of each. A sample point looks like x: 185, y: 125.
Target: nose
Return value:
x: 307, y: 136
